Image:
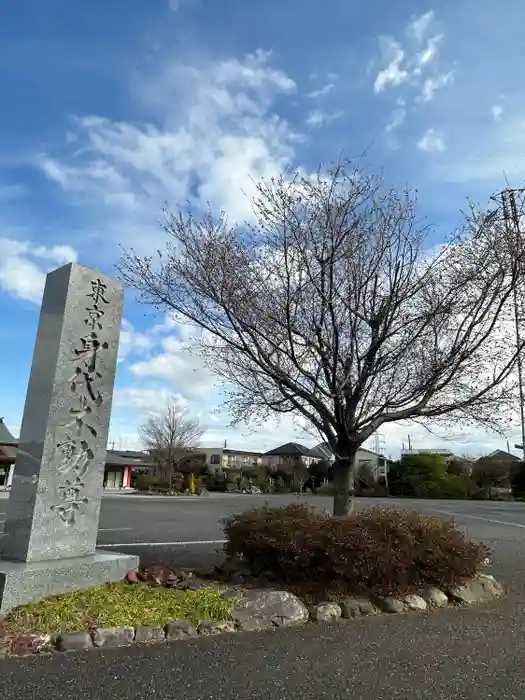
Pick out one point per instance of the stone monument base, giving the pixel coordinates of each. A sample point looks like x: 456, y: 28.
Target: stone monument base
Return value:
x: 24, y: 582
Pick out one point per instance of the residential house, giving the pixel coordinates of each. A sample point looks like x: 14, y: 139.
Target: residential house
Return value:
x: 121, y: 465
x: 377, y: 463
x: 498, y: 475
x: 222, y: 458
x: 290, y: 455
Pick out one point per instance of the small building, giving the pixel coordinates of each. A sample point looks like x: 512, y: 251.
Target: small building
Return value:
x: 377, y: 463
x: 215, y: 458
x: 121, y: 466
x: 291, y: 454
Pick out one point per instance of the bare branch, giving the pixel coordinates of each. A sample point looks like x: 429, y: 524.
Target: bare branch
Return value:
x: 332, y: 306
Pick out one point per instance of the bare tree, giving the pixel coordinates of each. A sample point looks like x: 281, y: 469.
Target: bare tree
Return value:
x: 332, y: 306
x: 171, y: 439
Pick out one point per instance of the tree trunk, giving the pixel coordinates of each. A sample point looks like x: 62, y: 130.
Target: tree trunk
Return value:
x: 343, y: 469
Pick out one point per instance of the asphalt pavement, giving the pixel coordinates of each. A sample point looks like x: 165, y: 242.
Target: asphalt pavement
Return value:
x: 468, y: 654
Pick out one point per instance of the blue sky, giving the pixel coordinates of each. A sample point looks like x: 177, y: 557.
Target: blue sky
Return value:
x: 111, y: 109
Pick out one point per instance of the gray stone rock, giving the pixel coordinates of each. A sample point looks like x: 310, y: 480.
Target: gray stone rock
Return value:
x: 231, y: 593
x: 74, y: 641
x: 389, y: 604
x: 491, y: 585
x: 356, y: 607
x: 149, y: 633
x: 326, y: 612
x: 471, y: 592
x: 180, y: 629
x: 113, y: 636
x: 280, y: 607
x: 209, y: 627
x: 435, y: 597
x: 255, y: 624
x: 415, y: 602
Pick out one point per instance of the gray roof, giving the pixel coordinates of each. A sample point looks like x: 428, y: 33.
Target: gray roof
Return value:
x: 326, y: 451
x: 6, y: 436
x: 293, y: 449
x: 131, y: 454
x: 501, y: 454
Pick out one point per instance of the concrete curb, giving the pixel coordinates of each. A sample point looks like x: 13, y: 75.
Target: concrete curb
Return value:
x: 482, y: 588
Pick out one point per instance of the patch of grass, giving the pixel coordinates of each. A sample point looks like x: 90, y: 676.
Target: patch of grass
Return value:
x: 116, y: 605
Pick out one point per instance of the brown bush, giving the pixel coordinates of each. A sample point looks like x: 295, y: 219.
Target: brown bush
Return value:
x: 377, y: 552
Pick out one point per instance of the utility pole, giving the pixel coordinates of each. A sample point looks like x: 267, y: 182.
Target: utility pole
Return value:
x: 512, y: 227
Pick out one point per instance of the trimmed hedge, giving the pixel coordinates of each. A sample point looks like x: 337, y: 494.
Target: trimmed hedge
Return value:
x: 377, y: 552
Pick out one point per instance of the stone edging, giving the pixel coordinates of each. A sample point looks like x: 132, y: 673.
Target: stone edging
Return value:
x: 256, y: 610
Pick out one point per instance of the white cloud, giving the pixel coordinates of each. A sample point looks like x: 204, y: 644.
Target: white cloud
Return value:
x: 23, y: 267
x: 396, y: 120
x: 132, y: 341
x: 174, y: 5
x: 317, y: 117
x: 497, y: 112
x: 429, y: 52
x: 417, y: 28
x: 215, y: 127
x: 431, y: 142
x: 432, y: 85
x: 405, y: 64
x: 180, y: 369
x: 410, y: 71
x: 321, y: 92
x: 393, y: 74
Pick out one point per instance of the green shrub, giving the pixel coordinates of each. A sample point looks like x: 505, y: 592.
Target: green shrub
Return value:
x: 325, y: 489
x: 145, y: 482
x: 375, y: 552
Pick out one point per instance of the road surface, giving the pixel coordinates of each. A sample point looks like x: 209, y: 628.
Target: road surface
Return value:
x: 469, y: 654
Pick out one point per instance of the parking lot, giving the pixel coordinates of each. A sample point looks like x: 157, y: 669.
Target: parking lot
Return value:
x: 188, y: 531
x: 464, y: 654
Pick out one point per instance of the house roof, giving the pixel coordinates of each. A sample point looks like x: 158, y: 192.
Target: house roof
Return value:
x: 293, y: 449
x: 249, y: 453
x: 502, y: 455
x: 325, y: 451
x: 6, y: 451
x: 131, y: 454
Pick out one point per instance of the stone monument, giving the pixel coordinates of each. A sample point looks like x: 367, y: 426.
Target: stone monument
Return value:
x: 49, y: 542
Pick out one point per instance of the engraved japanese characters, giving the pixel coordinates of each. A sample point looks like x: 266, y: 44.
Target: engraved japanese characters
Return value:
x: 74, y: 451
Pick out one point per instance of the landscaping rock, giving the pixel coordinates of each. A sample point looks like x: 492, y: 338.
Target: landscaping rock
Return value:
x: 194, y: 585
x: 180, y: 629
x: 74, y: 641
x: 326, y: 612
x: 280, y: 607
x: 490, y: 584
x: 132, y: 577
x: 414, y: 602
x: 232, y: 593
x: 149, y: 633
x: 389, y: 604
x: 27, y: 644
x: 255, y: 624
x: 355, y: 607
x: 435, y: 598
x: 472, y: 592
x: 156, y: 574
x: 209, y: 627
x: 113, y: 636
